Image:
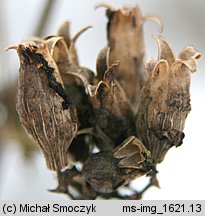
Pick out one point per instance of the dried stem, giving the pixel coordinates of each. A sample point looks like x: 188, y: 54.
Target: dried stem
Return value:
x: 44, y: 18
x: 3, y: 36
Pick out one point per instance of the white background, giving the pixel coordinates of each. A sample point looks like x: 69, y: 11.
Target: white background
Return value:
x: 182, y: 174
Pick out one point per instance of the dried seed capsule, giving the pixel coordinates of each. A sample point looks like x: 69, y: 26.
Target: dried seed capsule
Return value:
x: 114, y: 118
x: 126, y: 42
x: 75, y: 79
x: 44, y: 108
x: 107, y: 171
x: 165, y: 100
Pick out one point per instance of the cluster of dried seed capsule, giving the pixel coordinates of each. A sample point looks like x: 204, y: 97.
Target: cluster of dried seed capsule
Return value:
x: 131, y: 111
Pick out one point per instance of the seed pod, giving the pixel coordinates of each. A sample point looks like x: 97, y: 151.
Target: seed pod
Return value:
x: 75, y: 79
x: 165, y: 100
x: 126, y: 42
x: 45, y: 110
x: 114, y: 118
x: 106, y: 171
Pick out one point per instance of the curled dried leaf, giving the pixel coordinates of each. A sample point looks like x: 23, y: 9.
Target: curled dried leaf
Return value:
x: 45, y: 110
